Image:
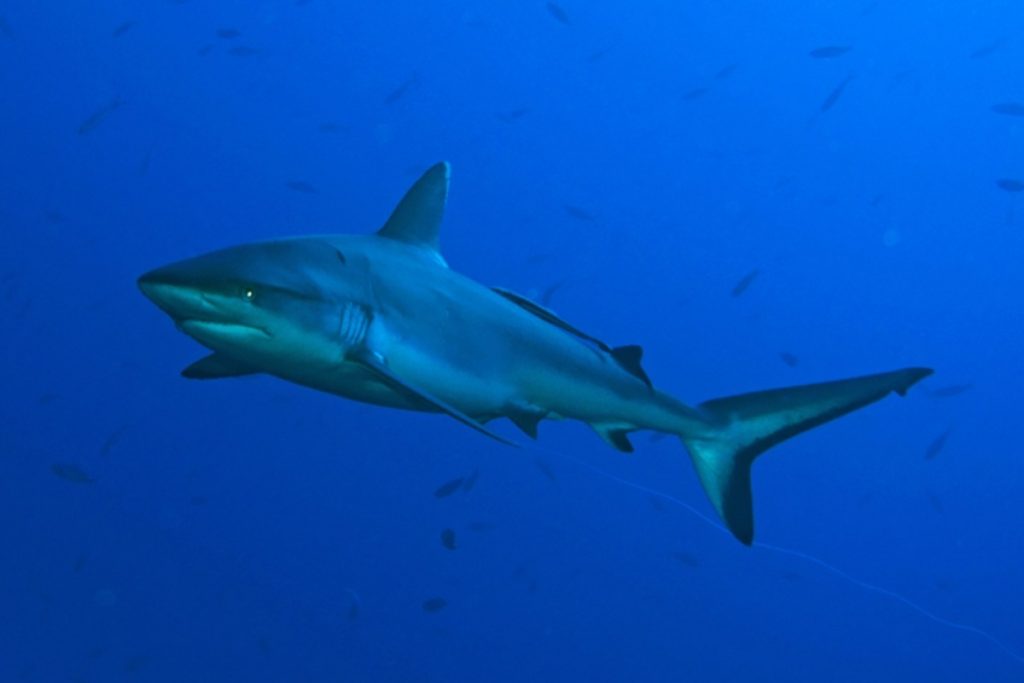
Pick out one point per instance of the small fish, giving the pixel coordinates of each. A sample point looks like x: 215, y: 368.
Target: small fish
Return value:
x: 951, y: 390
x: 936, y: 503
x: 205, y: 50
x: 579, y: 213
x: 198, y: 501
x: 332, y: 127
x: 1010, y: 185
x: 986, y: 50
x: 829, y: 51
x: 301, y: 186
x: 355, y: 604
x: 402, y: 90
x: 470, y: 481
x: 549, y: 293
x: 836, y: 93
x: 598, y: 55
x: 5, y: 29
x: 1009, y: 108
x: 545, y: 470
x: 936, y: 446
x: 143, y: 169
x: 54, y: 217
x: 135, y: 664
x: 513, y: 115
x: 71, y: 472
x: 112, y: 439
x: 98, y: 116
x: 243, y: 51
x: 434, y: 605
x: 687, y: 559
x: 263, y: 644
x: 744, y: 283
x: 559, y: 13
x: 448, y: 539
x: 228, y: 33
x: 81, y: 561
x: 696, y: 93
x: 123, y: 28
x: 448, y: 488
x: 789, y: 359
x: 480, y: 527
x: 725, y: 72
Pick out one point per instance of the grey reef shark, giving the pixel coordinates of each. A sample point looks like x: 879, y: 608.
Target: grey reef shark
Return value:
x: 381, y: 318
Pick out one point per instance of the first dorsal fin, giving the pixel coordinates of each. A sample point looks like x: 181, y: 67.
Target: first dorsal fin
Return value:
x: 417, y: 218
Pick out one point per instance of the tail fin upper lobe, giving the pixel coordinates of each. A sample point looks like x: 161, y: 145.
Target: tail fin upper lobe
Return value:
x: 749, y: 424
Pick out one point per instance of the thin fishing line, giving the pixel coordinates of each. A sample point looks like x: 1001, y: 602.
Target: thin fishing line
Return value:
x: 885, y: 592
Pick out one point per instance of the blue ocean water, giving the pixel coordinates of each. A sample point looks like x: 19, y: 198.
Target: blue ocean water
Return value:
x: 761, y: 194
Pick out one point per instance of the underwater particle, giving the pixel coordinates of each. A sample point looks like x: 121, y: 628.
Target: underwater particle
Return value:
x: 789, y: 359
x: 448, y: 488
x: 448, y: 539
x: 937, y: 444
x: 434, y: 605
x: 1008, y: 108
x: 123, y: 28
x: 829, y: 51
x: 301, y: 186
x: 892, y: 237
x: 71, y: 472
x: 743, y: 284
x: 558, y: 13
x: 228, y: 33
x: 1010, y: 185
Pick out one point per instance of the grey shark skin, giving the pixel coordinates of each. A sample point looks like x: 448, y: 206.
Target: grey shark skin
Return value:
x: 381, y: 318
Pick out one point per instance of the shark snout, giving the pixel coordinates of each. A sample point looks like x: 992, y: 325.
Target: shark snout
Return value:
x: 172, y: 290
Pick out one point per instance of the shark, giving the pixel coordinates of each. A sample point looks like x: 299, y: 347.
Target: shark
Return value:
x: 381, y: 318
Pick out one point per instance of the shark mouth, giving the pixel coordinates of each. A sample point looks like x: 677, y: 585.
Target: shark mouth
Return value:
x: 197, y: 327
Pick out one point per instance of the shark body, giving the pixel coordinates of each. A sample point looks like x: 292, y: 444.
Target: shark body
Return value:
x: 382, y: 319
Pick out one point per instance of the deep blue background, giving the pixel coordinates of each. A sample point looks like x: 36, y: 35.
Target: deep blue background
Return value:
x: 231, y: 523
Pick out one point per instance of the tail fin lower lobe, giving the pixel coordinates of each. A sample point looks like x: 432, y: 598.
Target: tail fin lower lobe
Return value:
x: 747, y: 425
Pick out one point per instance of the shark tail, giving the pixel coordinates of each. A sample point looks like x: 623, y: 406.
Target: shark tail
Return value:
x: 745, y: 426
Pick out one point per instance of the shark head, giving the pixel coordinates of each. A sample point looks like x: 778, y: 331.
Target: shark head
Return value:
x: 264, y: 301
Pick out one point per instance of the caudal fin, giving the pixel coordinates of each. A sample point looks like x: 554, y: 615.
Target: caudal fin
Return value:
x: 746, y: 426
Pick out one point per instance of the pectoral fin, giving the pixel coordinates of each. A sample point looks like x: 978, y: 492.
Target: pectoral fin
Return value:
x: 217, y: 366
x: 376, y: 365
